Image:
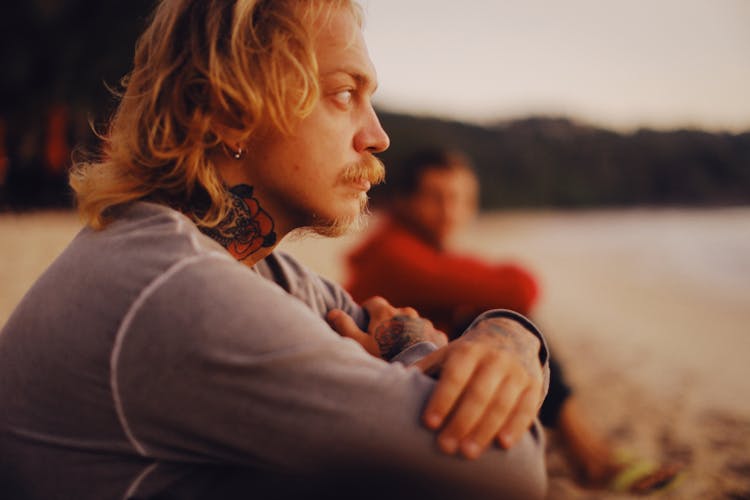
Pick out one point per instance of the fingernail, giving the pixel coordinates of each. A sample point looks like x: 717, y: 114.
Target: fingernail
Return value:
x: 433, y: 420
x: 470, y: 449
x: 449, y: 445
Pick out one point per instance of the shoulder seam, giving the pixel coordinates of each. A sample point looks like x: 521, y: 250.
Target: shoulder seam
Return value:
x: 138, y: 480
x: 178, y: 219
x: 123, y: 330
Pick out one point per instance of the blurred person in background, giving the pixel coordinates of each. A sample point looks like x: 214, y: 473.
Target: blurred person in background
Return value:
x: 407, y: 259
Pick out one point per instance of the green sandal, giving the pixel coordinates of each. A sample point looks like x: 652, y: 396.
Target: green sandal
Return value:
x: 642, y: 477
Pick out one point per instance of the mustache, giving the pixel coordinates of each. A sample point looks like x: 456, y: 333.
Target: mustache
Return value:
x: 369, y: 168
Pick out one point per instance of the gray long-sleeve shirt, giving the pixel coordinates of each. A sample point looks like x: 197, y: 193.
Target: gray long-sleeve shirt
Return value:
x: 146, y: 360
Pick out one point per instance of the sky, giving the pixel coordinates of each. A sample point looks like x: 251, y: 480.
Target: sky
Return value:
x: 621, y: 64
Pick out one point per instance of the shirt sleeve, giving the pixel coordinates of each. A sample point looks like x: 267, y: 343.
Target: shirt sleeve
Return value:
x: 319, y: 293
x: 323, y: 295
x: 219, y: 365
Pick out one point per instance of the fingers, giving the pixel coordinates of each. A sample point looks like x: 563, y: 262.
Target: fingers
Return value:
x: 503, y: 413
x: 455, y: 374
x: 407, y: 311
x: 438, y: 338
x: 480, y: 396
x: 430, y: 365
x: 375, y: 302
x: 521, y: 419
x: 379, y: 308
x: 477, y: 396
x: 345, y: 326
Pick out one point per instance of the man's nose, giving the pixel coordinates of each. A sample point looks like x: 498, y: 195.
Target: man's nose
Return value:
x: 371, y: 137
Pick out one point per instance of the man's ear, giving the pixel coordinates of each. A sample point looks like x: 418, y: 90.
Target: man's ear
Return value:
x: 231, y: 137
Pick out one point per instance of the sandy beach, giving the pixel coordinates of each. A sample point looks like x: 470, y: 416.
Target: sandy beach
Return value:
x: 649, y: 310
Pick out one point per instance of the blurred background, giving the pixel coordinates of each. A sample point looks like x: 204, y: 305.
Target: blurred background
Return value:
x: 568, y: 104
x: 58, y: 58
x: 635, y: 113
x: 574, y: 104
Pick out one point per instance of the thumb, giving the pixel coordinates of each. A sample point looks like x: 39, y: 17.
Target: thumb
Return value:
x: 344, y: 325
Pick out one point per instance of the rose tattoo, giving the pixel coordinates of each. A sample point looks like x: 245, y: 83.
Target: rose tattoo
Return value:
x: 247, y: 228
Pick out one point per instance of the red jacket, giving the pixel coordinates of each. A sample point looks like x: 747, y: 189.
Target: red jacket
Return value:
x: 447, y: 288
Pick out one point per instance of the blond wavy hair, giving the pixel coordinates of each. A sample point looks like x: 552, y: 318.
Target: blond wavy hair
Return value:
x: 201, y: 66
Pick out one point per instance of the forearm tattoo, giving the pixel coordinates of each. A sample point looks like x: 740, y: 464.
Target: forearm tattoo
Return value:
x: 398, y: 333
x: 503, y: 334
x: 247, y: 228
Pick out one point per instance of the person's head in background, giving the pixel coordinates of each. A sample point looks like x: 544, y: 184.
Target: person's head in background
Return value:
x: 435, y: 193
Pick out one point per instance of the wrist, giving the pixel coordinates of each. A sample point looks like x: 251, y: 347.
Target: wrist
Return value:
x: 414, y: 353
x: 511, y: 325
x: 509, y: 334
x: 397, y: 334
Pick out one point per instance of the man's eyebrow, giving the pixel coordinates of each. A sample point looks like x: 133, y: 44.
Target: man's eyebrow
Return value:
x: 362, y: 79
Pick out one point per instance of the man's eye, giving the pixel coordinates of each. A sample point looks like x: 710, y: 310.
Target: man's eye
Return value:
x: 344, y: 97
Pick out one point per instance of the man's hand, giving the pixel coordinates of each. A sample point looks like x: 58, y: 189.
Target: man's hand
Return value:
x: 391, y: 329
x: 490, y: 387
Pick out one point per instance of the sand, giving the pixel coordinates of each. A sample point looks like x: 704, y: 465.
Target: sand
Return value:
x: 649, y: 310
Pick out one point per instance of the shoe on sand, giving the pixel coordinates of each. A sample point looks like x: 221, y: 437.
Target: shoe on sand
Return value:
x: 643, y: 477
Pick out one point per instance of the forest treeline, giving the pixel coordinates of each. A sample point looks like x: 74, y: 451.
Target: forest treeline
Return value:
x: 543, y: 161
x: 59, y: 56
x: 531, y: 162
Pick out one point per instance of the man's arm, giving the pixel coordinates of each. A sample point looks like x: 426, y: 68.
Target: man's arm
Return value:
x: 399, y: 334
x: 391, y: 331
x: 411, y: 337
x: 493, y: 379
x: 247, y: 376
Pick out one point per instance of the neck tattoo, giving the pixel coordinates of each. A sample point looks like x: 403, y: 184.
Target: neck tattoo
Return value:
x: 247, y: 227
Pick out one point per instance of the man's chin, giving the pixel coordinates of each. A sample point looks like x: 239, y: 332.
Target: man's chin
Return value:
x: 334, y: 228
x: 331, y: 226
x: 339, y: 226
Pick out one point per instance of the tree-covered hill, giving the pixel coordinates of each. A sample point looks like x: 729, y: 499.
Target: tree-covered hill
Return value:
x: 557, y: 162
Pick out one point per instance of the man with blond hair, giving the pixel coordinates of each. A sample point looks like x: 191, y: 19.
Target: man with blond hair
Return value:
x: 170, y: 352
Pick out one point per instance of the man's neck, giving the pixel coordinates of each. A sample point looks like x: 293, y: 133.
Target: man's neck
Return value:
x: 248, y: 232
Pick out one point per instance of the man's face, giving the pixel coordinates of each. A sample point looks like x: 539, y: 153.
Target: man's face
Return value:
x: 319, y: 175
x: 445, y: 201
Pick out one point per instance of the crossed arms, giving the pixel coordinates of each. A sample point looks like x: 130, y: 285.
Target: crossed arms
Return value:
x: 276, y: 388
x: 490, y: 379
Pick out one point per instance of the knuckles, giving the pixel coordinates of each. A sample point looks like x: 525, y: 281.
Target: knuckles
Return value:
x: 411, y: 312
x: 439, y: 338
x: 377, y: 303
